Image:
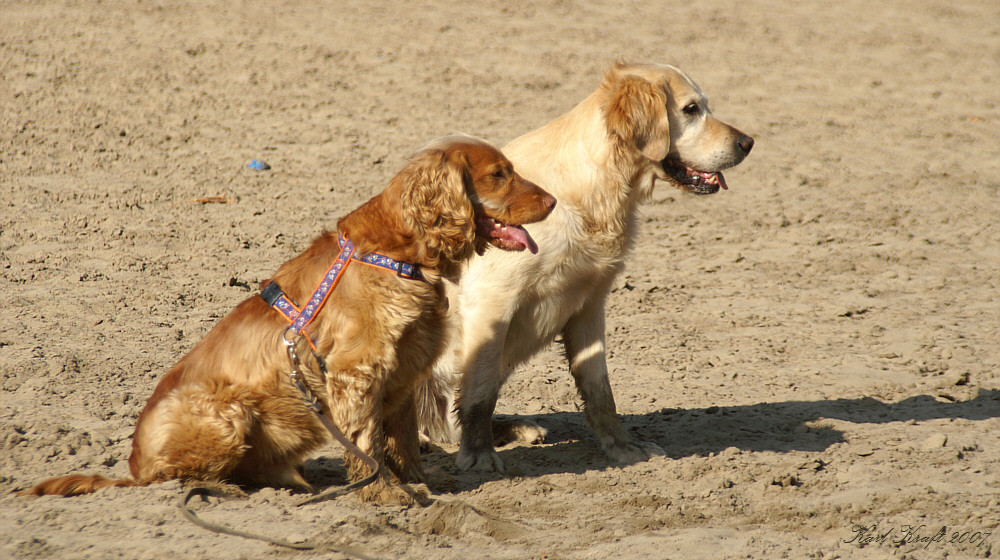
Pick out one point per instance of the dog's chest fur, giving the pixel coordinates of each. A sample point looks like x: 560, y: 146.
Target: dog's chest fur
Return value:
x: 581, y: 256
x: 395, y: 330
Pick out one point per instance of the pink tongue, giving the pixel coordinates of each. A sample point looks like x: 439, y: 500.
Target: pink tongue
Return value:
x: 520, y: 236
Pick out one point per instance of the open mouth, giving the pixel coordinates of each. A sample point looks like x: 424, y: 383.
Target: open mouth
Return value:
x: 692, y: 180
x: 505, y: 236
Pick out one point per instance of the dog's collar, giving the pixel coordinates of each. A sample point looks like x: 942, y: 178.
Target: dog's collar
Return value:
x: 299, y: 318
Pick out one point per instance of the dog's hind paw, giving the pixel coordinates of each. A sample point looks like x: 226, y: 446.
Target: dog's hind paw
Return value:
x: 629, y: 452
x: 523, y: 430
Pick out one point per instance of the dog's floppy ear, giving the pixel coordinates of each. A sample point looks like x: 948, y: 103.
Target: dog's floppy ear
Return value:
x: 436, y: 205
x: 635, y: 110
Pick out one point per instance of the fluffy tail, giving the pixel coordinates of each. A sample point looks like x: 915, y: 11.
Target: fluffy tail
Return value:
x: 435, y: 401
x: 75, y: 484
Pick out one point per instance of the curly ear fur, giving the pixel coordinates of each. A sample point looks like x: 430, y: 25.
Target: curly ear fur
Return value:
x: 436, y: 206
x: 635, y: 110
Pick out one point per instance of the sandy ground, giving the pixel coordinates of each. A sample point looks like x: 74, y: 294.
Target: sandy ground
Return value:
x: 817, y: 349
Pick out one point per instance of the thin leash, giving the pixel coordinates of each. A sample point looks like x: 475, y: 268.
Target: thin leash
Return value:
x: 299, y: 319
x: 204, y: 492
x: 313, y: 404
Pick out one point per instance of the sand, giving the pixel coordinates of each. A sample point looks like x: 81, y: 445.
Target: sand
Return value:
x: 817, y: 349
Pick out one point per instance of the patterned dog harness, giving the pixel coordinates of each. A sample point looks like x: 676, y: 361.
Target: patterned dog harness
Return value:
x: 298, y: 319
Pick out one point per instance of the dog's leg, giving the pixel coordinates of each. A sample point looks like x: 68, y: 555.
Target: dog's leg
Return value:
x: 583, y: 337
x: 197, y: 433
x: 357, y: 397
x: 284, y: 433
x: 402, y: 442
x: 477, y: 401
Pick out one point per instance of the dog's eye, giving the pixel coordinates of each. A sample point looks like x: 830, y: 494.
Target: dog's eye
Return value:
x: 691, y: 109
x: 499, y: 174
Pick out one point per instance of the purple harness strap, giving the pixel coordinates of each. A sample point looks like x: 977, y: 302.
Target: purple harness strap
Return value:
x: 299, y: 319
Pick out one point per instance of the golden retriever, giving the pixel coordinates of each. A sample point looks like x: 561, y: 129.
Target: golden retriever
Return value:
x: 228, y: 410
x: 644, y: 123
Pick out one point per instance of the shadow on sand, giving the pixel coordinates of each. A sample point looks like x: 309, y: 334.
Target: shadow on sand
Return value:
x: 779, y: 427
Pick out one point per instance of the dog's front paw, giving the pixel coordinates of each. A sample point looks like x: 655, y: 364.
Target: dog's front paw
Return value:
x: 385, y: 494
x: 483, y: 460
x: 629, y: 452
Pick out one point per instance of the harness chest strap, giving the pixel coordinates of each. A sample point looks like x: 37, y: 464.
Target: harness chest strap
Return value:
x: 299, y: 319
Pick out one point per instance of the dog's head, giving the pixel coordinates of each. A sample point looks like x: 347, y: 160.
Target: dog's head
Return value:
x: 463, y: 194
x: 659, y: 112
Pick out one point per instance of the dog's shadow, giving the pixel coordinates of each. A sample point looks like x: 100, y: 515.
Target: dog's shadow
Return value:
x: 779, y: 427
x: 571, y: 447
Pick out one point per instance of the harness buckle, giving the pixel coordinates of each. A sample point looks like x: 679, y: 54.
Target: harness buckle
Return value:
x: 406, y: 271
x: 271, y: 293
x: 290, y: 346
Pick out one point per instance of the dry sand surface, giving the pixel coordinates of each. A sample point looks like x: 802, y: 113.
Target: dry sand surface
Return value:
x: 816, y: 349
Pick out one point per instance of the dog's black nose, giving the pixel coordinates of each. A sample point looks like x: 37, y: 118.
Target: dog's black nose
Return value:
x: 746, y: 144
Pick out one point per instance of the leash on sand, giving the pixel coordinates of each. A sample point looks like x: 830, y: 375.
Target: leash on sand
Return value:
x: 313, y: 404
x: 204, y: 492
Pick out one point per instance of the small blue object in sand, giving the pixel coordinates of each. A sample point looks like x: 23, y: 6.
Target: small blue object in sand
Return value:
x: 259, y: 165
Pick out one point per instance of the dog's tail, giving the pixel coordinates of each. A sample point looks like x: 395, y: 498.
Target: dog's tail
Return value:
x: 75, y: 484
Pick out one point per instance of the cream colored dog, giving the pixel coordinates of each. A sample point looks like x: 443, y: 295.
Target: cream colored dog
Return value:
x: 645, y: 122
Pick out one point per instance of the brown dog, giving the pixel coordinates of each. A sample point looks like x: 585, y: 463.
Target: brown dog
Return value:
x: 228, y: 412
